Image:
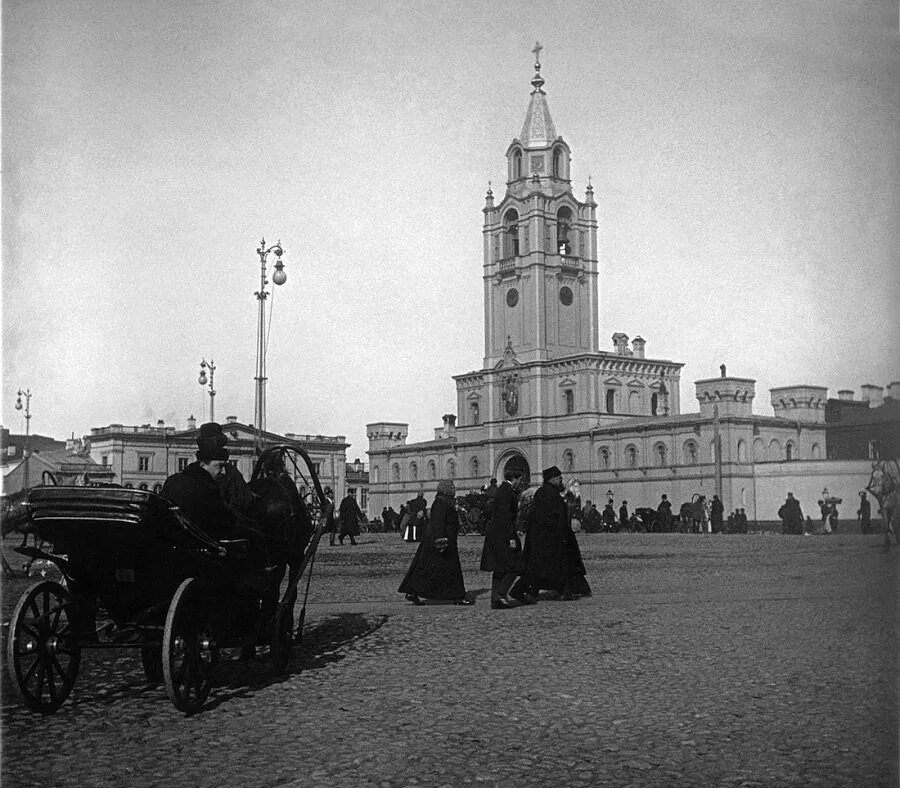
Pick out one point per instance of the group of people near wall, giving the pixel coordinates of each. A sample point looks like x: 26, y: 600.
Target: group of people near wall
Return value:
x: 549, y: 560
x: 793, y: 521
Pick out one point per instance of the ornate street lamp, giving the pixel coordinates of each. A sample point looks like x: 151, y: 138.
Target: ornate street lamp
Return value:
x: 279, y: 277
x: 211, y: 366
x: 26, y: 452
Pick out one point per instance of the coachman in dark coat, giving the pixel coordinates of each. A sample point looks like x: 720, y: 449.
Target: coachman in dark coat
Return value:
x: 502, y: 549
x: 435, y: 571
x: 791, y: 516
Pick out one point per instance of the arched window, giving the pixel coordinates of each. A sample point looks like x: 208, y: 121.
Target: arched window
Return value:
x: 610, y: 401
x: 563, y: 228
x: 557, y: 163
x: 375, y: 474
x: 654, y: 404
x: 474, y: 468
x: 432, y: 469
x: 413, y: 471
x: 789, y: 451
x: 569, y: 401
x: 451, y: 469
x: 634, y: 402
x: 741, y: 451
x: 511, y: 234
x: 816, y: 452
x: 395, y: 472
x: 157, y: 487
x: 517, y: 165
x: 568, y: 460
x: 774, y: 452
x: 631, y: 456
x: 660, y: 453
x: 473, y: 409
x: 604, y: 459
x: 690, y: 453
x: 759, y: 450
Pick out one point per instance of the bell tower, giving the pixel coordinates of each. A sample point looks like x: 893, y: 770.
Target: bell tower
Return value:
x: 540, y: 248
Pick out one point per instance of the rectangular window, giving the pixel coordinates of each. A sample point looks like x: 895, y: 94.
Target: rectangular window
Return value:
x: 183, y: 463
x: 363, y: 498
x: 317, y: 467
x: 104, y: 459
x: 144, y: 462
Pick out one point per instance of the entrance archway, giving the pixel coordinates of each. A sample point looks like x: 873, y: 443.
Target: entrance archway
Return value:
x: 519, y: 464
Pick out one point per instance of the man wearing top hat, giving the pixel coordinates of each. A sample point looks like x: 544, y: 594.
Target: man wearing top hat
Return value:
x: 196, y: 491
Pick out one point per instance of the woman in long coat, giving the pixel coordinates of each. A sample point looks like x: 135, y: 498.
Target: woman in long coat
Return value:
x: 435, y: 572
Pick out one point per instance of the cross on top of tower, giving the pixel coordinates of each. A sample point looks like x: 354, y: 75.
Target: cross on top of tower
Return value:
x: 537, y: 80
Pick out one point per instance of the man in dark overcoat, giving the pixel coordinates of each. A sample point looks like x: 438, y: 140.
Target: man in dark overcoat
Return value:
x: 623, y: 516
x: 197, y: 493
x: 544, y: 555
x: 791, y: 516
x: 716, y: 515
x: 417, y: 509
x: 502, y: 549
x: 350, y: 514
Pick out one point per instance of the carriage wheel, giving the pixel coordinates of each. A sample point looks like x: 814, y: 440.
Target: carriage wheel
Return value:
x: 189, y: 653
x: 151, y: 659
x: 43, y: 660
x: 282, y: 637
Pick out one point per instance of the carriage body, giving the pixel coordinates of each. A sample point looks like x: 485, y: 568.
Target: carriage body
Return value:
x: 138, y: 573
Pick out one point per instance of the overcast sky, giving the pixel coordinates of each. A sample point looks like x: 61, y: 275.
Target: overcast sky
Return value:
x: 745, y: 158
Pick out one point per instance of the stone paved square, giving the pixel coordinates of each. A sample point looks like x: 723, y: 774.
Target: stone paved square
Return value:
x: 757, y: 660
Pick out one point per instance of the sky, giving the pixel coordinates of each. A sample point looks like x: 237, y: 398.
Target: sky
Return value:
x: 745, y: 158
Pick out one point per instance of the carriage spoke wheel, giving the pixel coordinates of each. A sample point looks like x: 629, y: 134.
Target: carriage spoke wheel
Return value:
x: 43, y: 660
x: 282, y: 637
x: 189, y: 653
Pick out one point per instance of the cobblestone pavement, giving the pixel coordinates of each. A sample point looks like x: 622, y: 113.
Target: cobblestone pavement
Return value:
x: 698, y: 661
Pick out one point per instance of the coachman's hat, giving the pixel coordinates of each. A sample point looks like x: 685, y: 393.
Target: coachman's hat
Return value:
x: 551, y: 473
x: 211, y: 443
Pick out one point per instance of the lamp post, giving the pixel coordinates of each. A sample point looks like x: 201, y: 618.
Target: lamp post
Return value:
x: 279, y: 278
x: 211, y: 366
x: 26, y: 452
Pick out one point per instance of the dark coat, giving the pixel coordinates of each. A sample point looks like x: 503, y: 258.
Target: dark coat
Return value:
x: 497, y: 555
x: 433, y: 573
x: 716, y: 511
x: 545, y: 546
x: 791, y: 516
x: 349, y: 515
x: 199, y: 497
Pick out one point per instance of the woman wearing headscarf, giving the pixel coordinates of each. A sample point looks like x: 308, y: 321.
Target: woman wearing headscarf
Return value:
x: 435, y: 571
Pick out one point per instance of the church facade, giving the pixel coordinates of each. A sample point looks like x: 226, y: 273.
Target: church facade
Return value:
x: 547, y: 394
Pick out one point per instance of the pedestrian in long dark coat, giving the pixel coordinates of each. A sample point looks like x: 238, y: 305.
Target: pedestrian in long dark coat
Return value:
x: 349, y: 515
x: 502, y: 549
x: 716, y: 515
x: 547, y: 550
x: 791, y: 516
x: 623, y: 516
x: 417, y: 511
x: 435, y: 571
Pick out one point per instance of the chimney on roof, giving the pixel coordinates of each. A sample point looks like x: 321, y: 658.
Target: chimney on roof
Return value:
x: 872, y: 394
x: 620, y: 343
x: 191, y: 422
x: 846, y: 395
x: 638, y: 343
x: 231, y: 419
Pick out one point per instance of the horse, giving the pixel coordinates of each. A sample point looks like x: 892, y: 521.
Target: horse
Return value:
x: 693, y: 514
x: 884, y: 484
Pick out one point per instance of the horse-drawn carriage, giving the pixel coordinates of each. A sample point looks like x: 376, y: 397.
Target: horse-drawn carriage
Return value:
x: 139, y: 574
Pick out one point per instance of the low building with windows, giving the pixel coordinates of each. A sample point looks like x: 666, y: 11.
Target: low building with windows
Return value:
x: 143, y: 457
x: 546, y: 394
x: 867, y: 428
